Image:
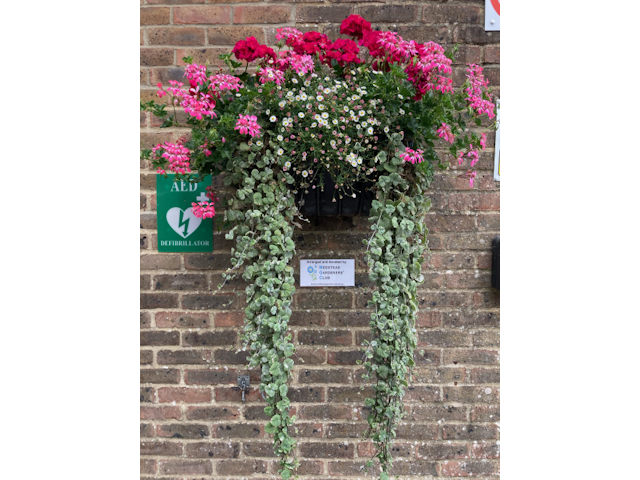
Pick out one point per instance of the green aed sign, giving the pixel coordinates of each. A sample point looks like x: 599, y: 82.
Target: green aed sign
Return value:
x: 179, y: 230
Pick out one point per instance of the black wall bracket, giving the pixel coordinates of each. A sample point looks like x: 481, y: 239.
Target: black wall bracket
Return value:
x: 495, y: 263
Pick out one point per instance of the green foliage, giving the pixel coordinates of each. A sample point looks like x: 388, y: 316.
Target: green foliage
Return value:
x: 395, y: 254
x: 263, y: 213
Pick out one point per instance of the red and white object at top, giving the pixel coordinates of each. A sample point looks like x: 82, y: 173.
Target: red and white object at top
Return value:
x: 492, y: 15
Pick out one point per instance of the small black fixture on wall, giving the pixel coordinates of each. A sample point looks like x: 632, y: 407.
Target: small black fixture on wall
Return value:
x: 495, y: 263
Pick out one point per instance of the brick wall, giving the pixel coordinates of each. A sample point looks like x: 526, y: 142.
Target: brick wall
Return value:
x: 192, y: 420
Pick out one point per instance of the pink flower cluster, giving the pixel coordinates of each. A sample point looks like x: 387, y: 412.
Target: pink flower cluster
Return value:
x: 474, y: 91
x: 426, y: 71
x: 203, y: 209
x: 268, y: 74
x: 287, y: 33
x: 301, y: 64
x: 176, y: 154
x: 195, y: 102
x: 413, y: 156
x: 224, y: 83
x: 248, y: 124
x: 445, y: 132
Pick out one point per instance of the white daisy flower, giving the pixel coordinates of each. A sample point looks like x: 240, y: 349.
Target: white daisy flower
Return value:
x: 273, y: 118
x: 325, y: 115
x: 327, y: 79
x: 320, y: 98
x: 327, y: 91
x: 259, y: 143
x: 298, y: 98
x: 347, y: 141
x: 282, y: 103
x: 386, y: 129
x: 309, y: 106
x: 346, y: 109
x: 268, y: 111
x: 305, y: 174
x: 307, y: 83
x: 370, y: 130
x: 238, y: 95
x: 361, y: 113
x: 354, y: 164
x: 400, y: 97
x: 320, y: 107
x: 289, y: 94
x: 359, y: 160
x: 363, y: 124
x: 355, y: 97
x: 280, y: 138
x: 334, y: 121
x: 354, y: 195
x: 333, y: 143
x: 280, y: 151
x: 294, y: 80
x: 401, y: 112
x: 358, y: 126
x: 301, y: 115
x: 314, y: 125
x: 303, y: 96
x: 287, y: 164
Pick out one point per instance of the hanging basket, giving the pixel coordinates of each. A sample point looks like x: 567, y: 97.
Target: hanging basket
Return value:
x: 320, y: 203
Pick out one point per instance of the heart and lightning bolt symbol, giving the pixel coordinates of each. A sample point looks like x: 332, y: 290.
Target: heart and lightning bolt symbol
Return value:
x: 184, y: 221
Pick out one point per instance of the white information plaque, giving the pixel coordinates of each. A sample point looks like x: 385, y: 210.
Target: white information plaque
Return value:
x: 327, y: 273
x: 492, y: 15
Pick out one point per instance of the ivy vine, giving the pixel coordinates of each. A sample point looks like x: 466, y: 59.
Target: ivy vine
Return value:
x: 395, y: 255
x: 263, y: 212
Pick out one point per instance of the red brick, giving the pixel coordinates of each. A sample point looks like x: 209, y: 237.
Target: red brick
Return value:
x: 231, y: 35
x: 209, y: 339
x: 422, y: 394
x: 413, y: 467
x: 327, y: 450
x: 159, y: 413
x: 228, y: 319
x: 159, y: 375
x: 325, y: 299
x: 450, y: 223
x: 184, y: 357
x: 234, y: 394
x: 202, y: 15
x: 314, y: 14
x: 348, y: 394
x: 435, y: 413
x: 486, y: 450
x: 300, y: 318
x: 210, y: 377
x: 175, y: 36
x: 474, y: 34
x: 213, y: 413
x: 452, y: 13
x: 262, y: 14
x: 241, y: 467
x: 182, y: 320
x: 349, y: 319
x: 238, y: 430
x: 428, y: 319
x: 387, y: 13
x: 159, y: 262
x: 159, y: 338
x: 325, y: 375
x: 485, y: 413
x: 485, y: 375
x: 325, y: 337
x: 465, y: 468
x: 474, y: 201
x: 326, y: 412
x: 489, y: 221
x: 169, y: 449
x: 212, y: 450
x: 469, y: 432
x: 472, y: 394
x: 153, y: 57
x: 438, y: 375
x: 441, y: 34
x: 471, y: 357
x: 155, y: 15
x: 184, y: 395
x: 148, y: 466
x: 178, y: 430
x: 492, y: 54
x: 185, y: 467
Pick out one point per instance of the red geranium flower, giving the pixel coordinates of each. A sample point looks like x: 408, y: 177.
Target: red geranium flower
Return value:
x: 250, y: 49
x: 311, y: 42
x: 355, y: 26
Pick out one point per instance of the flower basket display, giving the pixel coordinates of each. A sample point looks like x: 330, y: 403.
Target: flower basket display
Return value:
x: 320, y: 127
x: 322, y: 202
